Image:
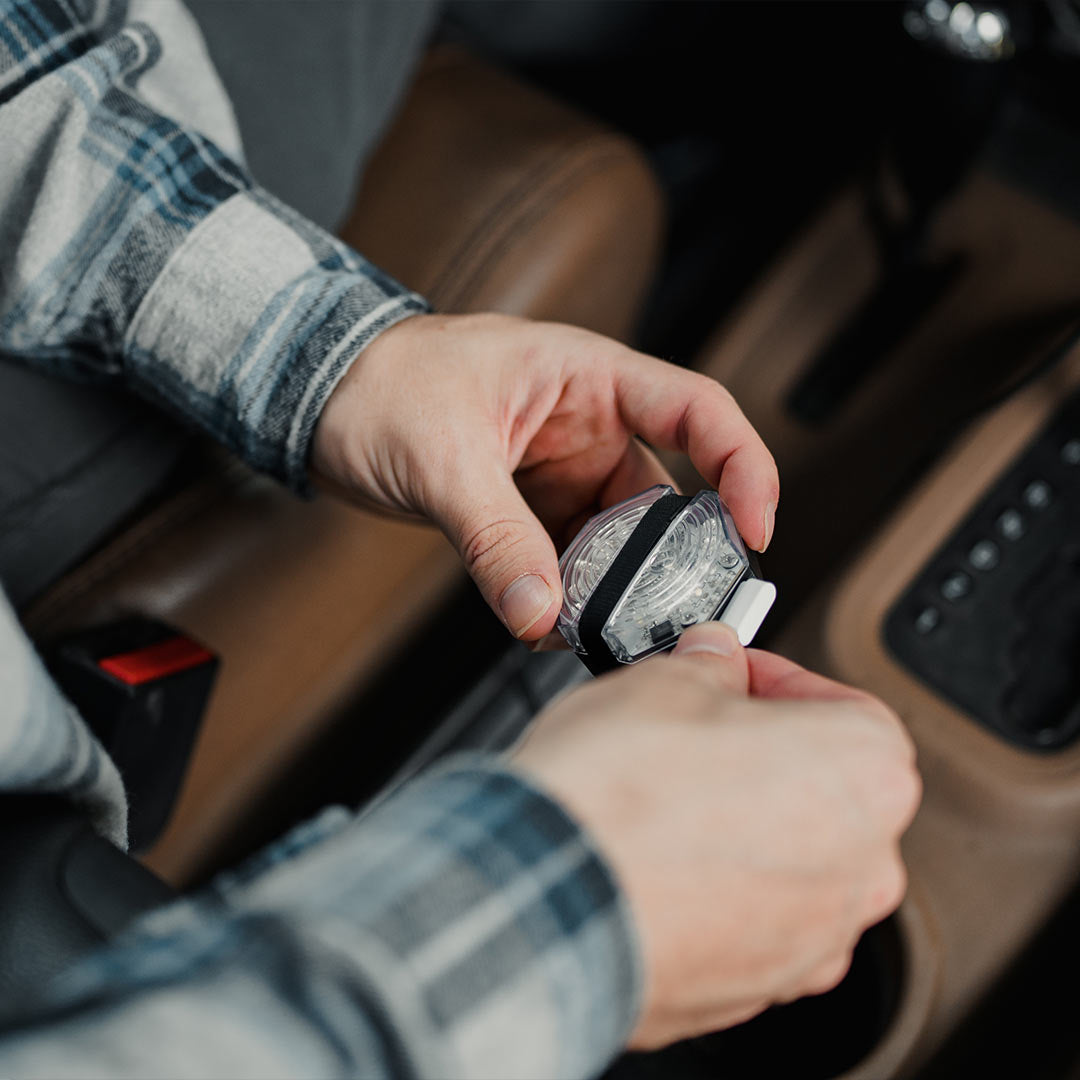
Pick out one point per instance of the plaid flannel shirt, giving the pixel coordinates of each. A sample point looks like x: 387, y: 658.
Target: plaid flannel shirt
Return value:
x: 464, y: 928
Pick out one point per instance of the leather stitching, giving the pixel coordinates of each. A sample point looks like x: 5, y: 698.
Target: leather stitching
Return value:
x: 513, y: 215
x: 528, y: 201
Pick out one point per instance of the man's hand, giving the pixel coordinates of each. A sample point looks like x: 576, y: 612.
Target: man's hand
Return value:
x: 751, y: 811
x: 509, y: 434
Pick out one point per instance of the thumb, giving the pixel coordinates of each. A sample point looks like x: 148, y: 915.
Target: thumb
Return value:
x: 715, y: 651
x: 509, y: 555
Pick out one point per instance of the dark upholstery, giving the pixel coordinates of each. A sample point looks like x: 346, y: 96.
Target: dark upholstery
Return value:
x: 75, y: 460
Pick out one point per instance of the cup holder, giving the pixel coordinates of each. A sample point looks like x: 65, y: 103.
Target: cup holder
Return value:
x: 815, y: 1038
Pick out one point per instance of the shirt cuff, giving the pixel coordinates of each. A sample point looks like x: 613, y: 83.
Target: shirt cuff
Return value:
x: 497, y: 936
x: 252, y: 322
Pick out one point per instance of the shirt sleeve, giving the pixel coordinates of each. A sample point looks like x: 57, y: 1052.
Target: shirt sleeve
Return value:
x: 464, y: 928
x: 134, y: 246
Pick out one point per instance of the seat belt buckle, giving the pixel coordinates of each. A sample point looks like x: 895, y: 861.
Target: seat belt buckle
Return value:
x: 142, y: 687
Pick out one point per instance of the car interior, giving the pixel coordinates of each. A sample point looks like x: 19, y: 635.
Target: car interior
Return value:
x: 862, y: 219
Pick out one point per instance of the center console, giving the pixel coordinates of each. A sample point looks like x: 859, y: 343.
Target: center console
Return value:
x: 992, y: 620
x: 962, y: 614
x: 928, y: 550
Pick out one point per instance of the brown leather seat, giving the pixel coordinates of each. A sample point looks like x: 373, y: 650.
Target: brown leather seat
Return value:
x: 485, y: 195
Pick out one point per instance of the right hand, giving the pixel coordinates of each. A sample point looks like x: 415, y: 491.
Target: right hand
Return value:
x: 510, y: 434
x: 751, y: 812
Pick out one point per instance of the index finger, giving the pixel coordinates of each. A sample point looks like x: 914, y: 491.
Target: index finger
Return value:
x: 779, y: 679
x: 684, y: 410
x: 773, y: 676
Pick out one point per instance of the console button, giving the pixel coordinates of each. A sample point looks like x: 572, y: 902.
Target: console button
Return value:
x: 1070, y: 452
x: 1037, y: 495
x: 956, y: 586
x: 927, y: 620
x: 985, y: 555
x: 1010, y: 524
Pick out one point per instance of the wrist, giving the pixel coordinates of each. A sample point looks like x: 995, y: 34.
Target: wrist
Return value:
x: 360, y: 398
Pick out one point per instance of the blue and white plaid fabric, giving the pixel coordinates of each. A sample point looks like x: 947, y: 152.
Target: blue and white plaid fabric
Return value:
x: 463, y: 928
x: 133, y: 245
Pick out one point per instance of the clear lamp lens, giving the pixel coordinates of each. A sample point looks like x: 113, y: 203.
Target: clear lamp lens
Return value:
x: 686, y: 579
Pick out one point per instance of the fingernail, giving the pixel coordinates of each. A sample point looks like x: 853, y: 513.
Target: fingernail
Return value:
x: 523, y: 602
x: 716, y: 638
x: 770, y: 524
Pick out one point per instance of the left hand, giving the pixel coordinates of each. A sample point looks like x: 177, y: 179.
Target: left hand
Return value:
x: 510, y: 434
x: 749, y: 810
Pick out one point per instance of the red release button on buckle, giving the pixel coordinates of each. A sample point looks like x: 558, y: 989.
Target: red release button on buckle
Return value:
x: 156, y: 661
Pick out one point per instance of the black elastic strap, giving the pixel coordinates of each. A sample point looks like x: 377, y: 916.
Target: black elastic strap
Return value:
x: 609, y: 591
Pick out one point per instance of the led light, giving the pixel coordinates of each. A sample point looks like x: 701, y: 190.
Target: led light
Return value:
x: 689, y: 576
x: 963, y: 15
x: 937, y: 11
x: 990, y: 28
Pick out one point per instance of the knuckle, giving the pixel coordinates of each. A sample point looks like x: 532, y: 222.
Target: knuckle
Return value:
x: 834, y: 911
x: 830, y: 975
x: 706, y: 384
x: 888, y: 889
x: 490, y: 543
x: 891, y: 722
x: 898, y: 791
x: 909, y: 794
x: 723, y: 395
x: 888, y: 755
x: 877, y: 712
